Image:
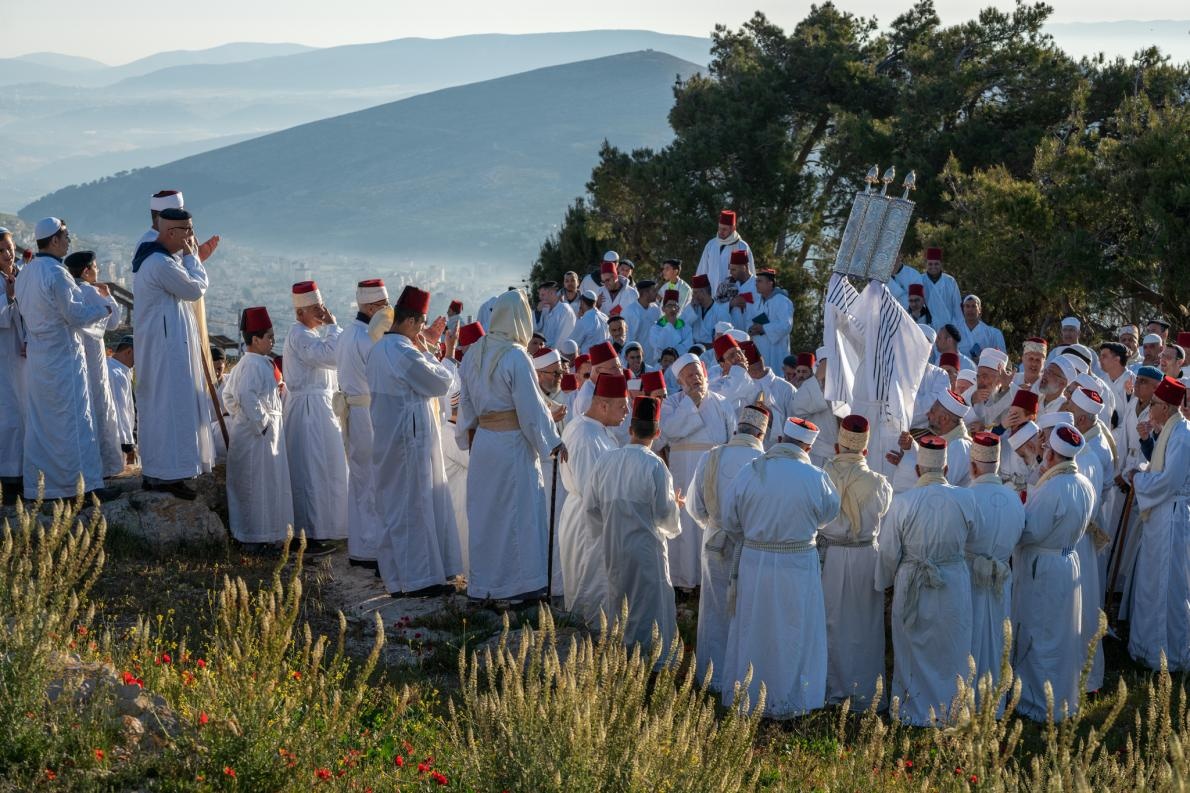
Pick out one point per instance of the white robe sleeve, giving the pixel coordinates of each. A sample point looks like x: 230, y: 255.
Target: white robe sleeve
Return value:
x: 72, y: 304
x: 889, y: 555
x: 425, y: 375
x: 1155, y: 488
x: 244, y: 395
x: 537, y: 425
x: 695, y: 506
x: 683, y: 419
x: 665, y: 508
x: 185, y: 281
x: 318, y: 352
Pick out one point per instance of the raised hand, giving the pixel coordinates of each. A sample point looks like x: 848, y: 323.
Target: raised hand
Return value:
x: 207, y: 249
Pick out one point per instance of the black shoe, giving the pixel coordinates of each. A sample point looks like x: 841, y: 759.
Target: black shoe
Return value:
x: 368, y: 564
x: 178, y: 488
x: 13, y: 487
x: 528, y: 598
x: 266, y: 549
x: 426, y: 592
x: 106, y: 494
x: 315, y: 548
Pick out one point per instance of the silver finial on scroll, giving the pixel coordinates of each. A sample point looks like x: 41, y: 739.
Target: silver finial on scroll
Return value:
x: 876, y: 227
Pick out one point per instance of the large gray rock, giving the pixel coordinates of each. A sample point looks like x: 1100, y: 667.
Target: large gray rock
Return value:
x: 164, y: 522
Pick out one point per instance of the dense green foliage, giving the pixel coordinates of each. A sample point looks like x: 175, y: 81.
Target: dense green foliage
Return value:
x: 1055, y: 186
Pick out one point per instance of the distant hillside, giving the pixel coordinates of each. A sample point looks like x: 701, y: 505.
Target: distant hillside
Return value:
x: 481, y: 170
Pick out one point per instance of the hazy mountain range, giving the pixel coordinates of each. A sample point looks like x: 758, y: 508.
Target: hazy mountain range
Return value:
x: 476, y: 172
x: 84, y: 120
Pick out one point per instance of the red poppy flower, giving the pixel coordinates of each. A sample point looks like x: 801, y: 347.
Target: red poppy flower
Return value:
x: 399, y: 761
x: 439, y: 778
x: 203, y: 718
x: 99, y: 755
x: 323, y: 773
x: 229, y: 771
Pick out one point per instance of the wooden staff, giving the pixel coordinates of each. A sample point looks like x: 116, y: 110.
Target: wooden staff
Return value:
x: 549, y: 577
x: 208, y: 366
x: 1117, y: 548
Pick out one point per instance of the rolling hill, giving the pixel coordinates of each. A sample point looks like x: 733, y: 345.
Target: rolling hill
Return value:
x: 477, y: 171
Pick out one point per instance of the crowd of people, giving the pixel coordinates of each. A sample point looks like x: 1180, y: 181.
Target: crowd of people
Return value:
x: 644, y: 441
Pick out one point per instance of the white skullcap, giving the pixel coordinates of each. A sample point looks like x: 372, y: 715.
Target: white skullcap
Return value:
x: 1072, y: 322
x: 1088, y: 400
x: 589, y: 295
x: 1152, y: 338
x: 682, y: 362
x: 1066, y: 440
x: 737, y: 334
x: 46, y: 227
x: 1077, y: 363
x: 966, y: 374
x: 632, y: 345
x: 568, y: 347
x: 973, y: 297
x: 370, y: 294
x: 1047, y: 420
x: 170, y: 201
x: 1024, y: 433
x: 546, y: 359
x: 1065, y: 366
x: 931, y: 334
x: 1088, y: 380
x: 611, y: 256
x: 992, y: 358
x: 954, y: 403
x: 931, y: 458
x: 1128, y: 329
x: 307, y: 299
x: 634, y: 384
x: 800, y: 430
x: 820, y: 354
x: 722, y: 327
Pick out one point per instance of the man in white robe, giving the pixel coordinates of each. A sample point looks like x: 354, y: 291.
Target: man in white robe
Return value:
x: 353, y: 408
x: 557, y: 317
x: 669, y: 331
x: 777, y: 505
x: 999, y: 521
x: 419, y: 543
x: 591, y: 326
x: 506, y: 425
x: 12, y: 384
x: 60, y: 441
x: 313, y: 437
x: 616, y: 293
x: 587, y: 438
x: 716, y: 254
x: 547, y: 363
x: 902, y: 278
x: 702, y: 314
x: 854, y: 607
x: 1161, y: 605
x: 945, y: 420
x: 777, y: 393
x: 1047, y: 610
x: 979, y: 335
x: 633, y: 510
x: 769, y: 318
x: 161, y: 200
x: 173, y: 427
x: 259, y: 498
x: 644, y: 311
x: 811, y: 404
x: 119, y: 372
x: 1136, y: 420
x: 671, y: 278
x: 941, y: 292
x: 604, y: 360
x: 922, y: 543
x: 695, y: 420
x: 707, y: 504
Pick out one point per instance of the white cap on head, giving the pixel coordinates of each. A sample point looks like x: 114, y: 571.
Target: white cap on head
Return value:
x: 46, y: 227
x: 978, y: 302
x: 992, y: 358
x: 1088, y: 380
x: 1072, y: 322
x: 1066, y: 440
x: 928, y: 457
x: 820, y: 354
x: 800, y: 430
x: 966, y: 374
x: 1152, y: 338
x: 1024, y: 433
x: 1065, y: 366
x: 1126, y: 330
x: 611, y: 256
x: 931, y: 334
x: 722, y: 327
x: 954, y: 403
x: 737, y: 334
x: 568, y: 347
x: 546, y: 359
x: 1048, y: 420
x: 1088, y: 400
x: 373, y: 293
x: 171, y: 200
x: 589, y: 296
x: 1077, y: 363
x: 682, y: 362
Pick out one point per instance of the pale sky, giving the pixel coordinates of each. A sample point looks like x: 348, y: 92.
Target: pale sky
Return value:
x: 118, y: 31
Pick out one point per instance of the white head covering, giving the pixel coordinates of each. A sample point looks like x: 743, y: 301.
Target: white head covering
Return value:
x: 1152, y: 338
x: 511, y: 326
x: 1128, y: 329
x: 954, y: 403
x: 682, y: 362
x: 1024, y: 433
x: 568, y: 347
x: 548, y: 359
x: 966, y: 374
x: 1048, y: 420
x: 1066, y: 366
x: 1081, y: 398
x: 46, y: 227
x: 722, y: 327
x: 737, y: 334
x: 803, y: 432
x: 1072, y: 322
x: 993, y: 359
x: 931, y: 458
x: 370, y: 294
x: 930, y: 333
x: 1077, y: 363
x: 611, y: 256
x: 1088, y: 380
x: 172, y: 201
x: 1066, y: 440
x: 820, y: 354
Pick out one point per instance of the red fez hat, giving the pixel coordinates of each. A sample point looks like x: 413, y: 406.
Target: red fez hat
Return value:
x: 931, y: 442
x: 456, y: 306
x: 613, y: 386
x: 415, y: 300
x: 371, y: 282
x: 607, y: 267
x: 727, y: 217
x: 739, y: 256
x: 700, y: 282
x: 579, y: 360
x: 255, y: 320
x: 917, y: 289
x: 652, y: 381
x: 805, y: 359
x: 1184, y: 339
x: 950, y: 359
x: 671, y: 296
x: 304, y: 287
x: 646, y: 408
x: 750, y: 351
x: 855, y: 423
x: 933, y: 254
x: 569, y: 382
x: 723, y: 344
x: 1026, y: 400
x: 1170, y: 391
x: 602, y: 352
x: 470, y: 333
x: 989, y: 439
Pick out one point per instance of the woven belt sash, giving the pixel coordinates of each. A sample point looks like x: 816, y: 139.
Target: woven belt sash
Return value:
x: 500, y: 421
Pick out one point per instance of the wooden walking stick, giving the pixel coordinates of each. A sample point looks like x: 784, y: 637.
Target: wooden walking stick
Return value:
x: 1117, y: 552
x: 208, y: 367
x: 549, y: 577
